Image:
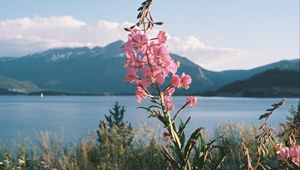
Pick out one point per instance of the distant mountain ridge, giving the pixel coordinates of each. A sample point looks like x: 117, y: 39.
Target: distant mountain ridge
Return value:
x: 17, y: 86
x: 100, y: 70
x: 278, y: 82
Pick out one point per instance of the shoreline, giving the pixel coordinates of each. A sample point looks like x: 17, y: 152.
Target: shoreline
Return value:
x: 179, y: 95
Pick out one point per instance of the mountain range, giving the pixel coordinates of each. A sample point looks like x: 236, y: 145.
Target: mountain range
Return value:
x: 100, y: 70
x: 277, y: 82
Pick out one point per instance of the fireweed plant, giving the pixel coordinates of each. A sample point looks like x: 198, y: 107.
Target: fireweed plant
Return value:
x: 149, y: 64
x: 288, y: 156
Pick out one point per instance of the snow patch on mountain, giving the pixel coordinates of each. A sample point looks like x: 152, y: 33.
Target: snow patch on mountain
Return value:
x: 80, y: 52
x: 60, y: 57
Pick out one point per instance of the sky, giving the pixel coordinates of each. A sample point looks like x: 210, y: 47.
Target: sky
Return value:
x: 217, y: 35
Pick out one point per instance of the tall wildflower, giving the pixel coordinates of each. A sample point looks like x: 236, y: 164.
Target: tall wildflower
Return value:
x: 153, y: 71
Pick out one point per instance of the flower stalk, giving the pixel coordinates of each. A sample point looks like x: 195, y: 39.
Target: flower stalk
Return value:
x: 153, y: 71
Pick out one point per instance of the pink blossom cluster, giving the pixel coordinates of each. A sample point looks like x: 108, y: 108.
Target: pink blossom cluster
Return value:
x: 148, y: 64
x: 292, y: 153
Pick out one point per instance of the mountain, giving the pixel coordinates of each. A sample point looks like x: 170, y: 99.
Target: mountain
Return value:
x: 100, y: 71
x: 279, y: 82
x: 71, y: 69
x: 16, y: 85
x: 243, y: 74
x: 7, y: 92
x: 205, y: 80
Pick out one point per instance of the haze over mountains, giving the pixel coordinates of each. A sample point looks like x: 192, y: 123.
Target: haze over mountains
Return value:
x: 100, y: 71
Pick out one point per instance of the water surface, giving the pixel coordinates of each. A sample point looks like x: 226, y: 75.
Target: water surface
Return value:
x: 75, y: 116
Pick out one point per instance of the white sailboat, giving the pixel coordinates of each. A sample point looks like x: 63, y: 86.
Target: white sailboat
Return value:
x: 42, y: 95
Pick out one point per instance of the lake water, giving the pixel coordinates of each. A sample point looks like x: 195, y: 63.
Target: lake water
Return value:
x: 75, y: 116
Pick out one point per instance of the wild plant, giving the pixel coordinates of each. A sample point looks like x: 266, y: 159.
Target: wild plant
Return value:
x: 149, y: 65
x: 287, y: 157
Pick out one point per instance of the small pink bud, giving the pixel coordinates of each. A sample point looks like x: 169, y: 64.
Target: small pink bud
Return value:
x: 170, y: 91
x: 167, y: 136
x: 162, y: 36
x: 191, y: 101
x: 131, y: 76
x: 176, y: 81
x: 186, y: 80
x: 140, y: 94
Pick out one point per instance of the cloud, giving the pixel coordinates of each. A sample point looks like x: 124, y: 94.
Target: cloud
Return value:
x: 28, y: 35
x: 216, y: 58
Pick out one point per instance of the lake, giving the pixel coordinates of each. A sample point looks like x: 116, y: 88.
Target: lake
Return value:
x: 75, y: 116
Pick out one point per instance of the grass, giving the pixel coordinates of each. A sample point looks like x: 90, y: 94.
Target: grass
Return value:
x: 48, y: 152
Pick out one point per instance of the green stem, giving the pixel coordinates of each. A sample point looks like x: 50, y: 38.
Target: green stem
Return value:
x: 173, y: 132
x: 179, y: 111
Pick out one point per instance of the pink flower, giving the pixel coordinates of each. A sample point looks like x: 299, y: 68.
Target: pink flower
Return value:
x: 160, y: 57
x: 186, y: 80
x: 169, y: 106
x: 139, y: 40
x: 284, y: 153
x: 151, y: 58
x: 162, y: 37
x: 157, y: 72
x: 147, y: 73
x: 292, y: 153
x: 183, y: 81
x: 170, y: 91
x: 135, y: 62
x: 144, y: 83
x: 154, y: 76
x: 176, y: 82
x: 159, y: 51
x: 128, y: 50
x: 160, y: 79
x: 295, y: 154
x: 173, y: 67
x: 140, y: 94
x: 131, y: 76
x: 191, y: 101
x: 168, y: 103
x: 168, y: 99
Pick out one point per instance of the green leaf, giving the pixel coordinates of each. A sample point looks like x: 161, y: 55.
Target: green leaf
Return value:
x: 201, y: 143
x: 202, y: 151
x: 199, y: 158
x: 169, y: 157
x: 181, y: 133
x: 182, y: 126
x: 138, y: 24
x: 144, y: 3
x: 177, y: 154
x: 220, y: 161
x: 158, y: 23
x: 182, y: 138
x: 189, y: 146
x: 127, y: 29
x: 139, y: 15
x: 140, y: 8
